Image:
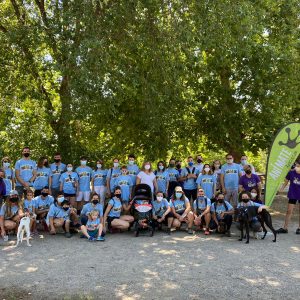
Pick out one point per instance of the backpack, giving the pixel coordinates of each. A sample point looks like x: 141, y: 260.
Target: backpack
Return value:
x: 225, y: 205
x: 189, y: 171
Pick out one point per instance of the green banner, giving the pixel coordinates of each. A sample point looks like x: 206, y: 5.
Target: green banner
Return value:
x: 283, y: 153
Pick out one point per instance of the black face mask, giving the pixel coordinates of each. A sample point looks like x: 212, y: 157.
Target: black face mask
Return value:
x: 172, y: 165
x: 248, y: 172
x: 199, y: 160
x: 57, y: 160
x: 245, y: 200
x: 14, y: 199
x: 46, y: 164
x: 178, y: 166
x: 26, y: 154
x: 95, y: 202
x: 118, y: 196
x: 65, y: 208
x: 44, y: 194
x: 220, y: 200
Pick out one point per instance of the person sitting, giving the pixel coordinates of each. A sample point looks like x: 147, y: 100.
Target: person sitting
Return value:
x: 113, y: 212
x: 94, y: 227
x: 29, y: 206
x: 181, y: 209
x: 201, y: 207
x: 222, y: 212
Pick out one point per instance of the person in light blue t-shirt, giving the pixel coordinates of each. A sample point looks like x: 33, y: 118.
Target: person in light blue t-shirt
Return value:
x: 9, y: 175
x: 42, y: 178
x: 94, y: 227
x: 124, y: 181
x: 207, y: 181
x: 42, y: 204
x: 56, y: 169
x: 112, y: 174
x: 162, y: 177
x: 174, y: 176
x: 230, y: 174
x: 29, y: 207
x: 99, y: 176
x: 132, y: 168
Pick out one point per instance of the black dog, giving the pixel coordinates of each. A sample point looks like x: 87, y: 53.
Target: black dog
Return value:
x: 246, y: 214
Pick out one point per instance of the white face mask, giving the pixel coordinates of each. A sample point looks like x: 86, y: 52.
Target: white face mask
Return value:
x: 297, y: 169
x: 161, y: 167
x: 6, y: 164
x: 116, y: 164
x: 60, y: 199
x: 99, y: 166
x: 159, y: 198
x: 206, y: 170
x: 253, y: 195
x: 69, y: 169
x: 244, y: 162
x: 229, y: 161
x: 131, y: 162
x: 147, y: 167
x: 83, y: 162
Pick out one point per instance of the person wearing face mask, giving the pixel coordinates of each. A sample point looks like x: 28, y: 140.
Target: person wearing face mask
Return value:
x: 56, y: 169
x: 10, y: 214
x: 147, y: 176
x: 216, y: 168
x: 174, y: 175
x: 113, y: 212
x: 189, y: 176
x: 42, y: 178
x: 94, y: 204
x: 245, y: 201
x: 201, y: 208
x: 132, y: 168
x: 84, y: 179
x: 221, y: 211
x: 9, y: 175
x: 161, y: 212
x: 68, y: 185
x: 255, y: 197
x: 25, y: 169
x: 181, y: 210
x: 244, y: 162
x: 199, y: 165
x: 112, y: 174
x: 293, y: 178
x: 162, y: 177
x: 124, y: 181
x: 99, y: 176
x: 249, y: 181
x: 2, y: 186
x: 207, y: 181
x: 42, y: 206
x: 230, y: 174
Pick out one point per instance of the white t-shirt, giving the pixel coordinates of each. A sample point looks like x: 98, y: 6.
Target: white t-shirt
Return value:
x: 147, y: 179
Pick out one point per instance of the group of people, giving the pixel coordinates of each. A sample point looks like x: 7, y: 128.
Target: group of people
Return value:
x: 97, y: 199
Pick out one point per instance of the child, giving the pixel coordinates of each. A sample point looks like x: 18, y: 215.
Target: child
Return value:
x: 94, y: 227
x: 29, y: 207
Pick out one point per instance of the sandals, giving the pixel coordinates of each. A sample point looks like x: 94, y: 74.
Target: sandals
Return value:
x: 282, y: 230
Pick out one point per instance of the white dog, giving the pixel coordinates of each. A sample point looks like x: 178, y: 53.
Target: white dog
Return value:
x: 24, y: 226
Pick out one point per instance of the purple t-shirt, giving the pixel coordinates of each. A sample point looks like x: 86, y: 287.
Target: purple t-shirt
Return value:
x: 249, y: 183
x: 294, y: 190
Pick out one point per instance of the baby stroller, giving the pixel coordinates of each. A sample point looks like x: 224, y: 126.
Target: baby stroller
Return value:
x: 142, y: 210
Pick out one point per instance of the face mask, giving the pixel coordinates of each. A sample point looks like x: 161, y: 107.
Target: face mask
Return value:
x: 229, y: 161
x: 57, y: 160
x: 220, y: 200
x: 65, y: 208
x: 201, y: 197
x: 161, y: 167
x: 244, y: 161
x: 178, y: 166
x: 131, y: 162
x: 245, y: 200
x: 253, y: 195
x: 178, y: 195
x: 69, y: 169
x: 99, y: 166
x: 147, y: 167
x: 60, y: 199
x: 95, y: 201
x: 44, y: 194
x: 248, y: 172
x: 199, y: 160
x: 26, y: 154
x: 190, y: 163
x: 297, y: 169
x: 116, y: 165
x: 118, y: 196
x: 206, y: 170
x: 83, y: 162
x: 217, y: 166
x: 159, y: 198
x: 6, y: 164
x: 46, y: 164
x: 172, y: 165
x: 14, y: 199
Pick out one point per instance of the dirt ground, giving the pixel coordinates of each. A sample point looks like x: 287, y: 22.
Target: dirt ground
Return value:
x: 179, y: 266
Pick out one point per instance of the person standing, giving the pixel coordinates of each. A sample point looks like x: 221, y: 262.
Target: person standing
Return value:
x: 173, y: 177
x: 147, y: 176
x: 162, y: 177
x: 25, y: 169
x: 132, y: 168
x: 199, y: 165
x: 99, y: 181
x: 249, y: 181
x: 244, y: 162
x: 2, y: 186
x: 56, y: 169
x: 9, y: 175
x: 112, y: 174
x: 42, y: 176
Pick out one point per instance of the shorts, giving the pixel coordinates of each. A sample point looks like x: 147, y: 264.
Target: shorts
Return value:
x: 109, y: 220
x: 83, y: 196
x: 191, y: 194
x: 93, y: 233
x: 165, y: 221
x: 294, y: 201
x: 232, y: 194
x: 101, y: 190
x: 69, y: 195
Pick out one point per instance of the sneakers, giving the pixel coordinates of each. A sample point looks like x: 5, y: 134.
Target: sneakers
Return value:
x: 91, y: 239
x: 168, y: 231
x: 68, y: 235
x: 5, y: 238
x: 190, y: 231
x: 206, y: 232
x: 298, y: 231
x: 282, y: 230
x: 100, y: 238
x: 228, y: 233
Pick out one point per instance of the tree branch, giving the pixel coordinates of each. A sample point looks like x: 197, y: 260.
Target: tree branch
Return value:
x: 21, y: 18
x: 3, y: 29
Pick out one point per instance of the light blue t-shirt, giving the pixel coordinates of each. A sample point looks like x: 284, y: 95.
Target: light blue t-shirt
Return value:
x: 99, y: 177
x: 92, y: 224
x: 162, y: 179
x: 159, y: 208
x: 231, y: 175
x: 42, y: 178
x: 179, y: 205
x: 56, y: 171
x: 89, y: 207
x: 202, y: 204
x: 85, y: 175
x: 9, y: 175
x: 207, y: 182
x: 57, y: 212
x: 219, y: 208
x: 26, y: 168
x: 29, y: 205
x: 173, y: 174
x: 43, y: 203
x: 133, y: 170
x: 124, y: 181
x: 112, y: 174
x: 68, y: 180
x: 14, y: 210
x: 116, y: 209
x: 189, y: 184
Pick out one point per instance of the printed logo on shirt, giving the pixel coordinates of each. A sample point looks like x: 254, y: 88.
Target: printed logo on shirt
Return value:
x: 231, y: 171
x: 84, y: 174
x: 116, y: 209
x: 41, y: 174
x: 251, y: 184
x: 296, y: 181
x: 207, y: 180
x: 131, y: 172
x: 115, y: 175
x: 160, y: 177
x: 99, y: 176
x: 26, y: 167
x: 68, y: 179
x: 56, y: 171
x: 123, y: 182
